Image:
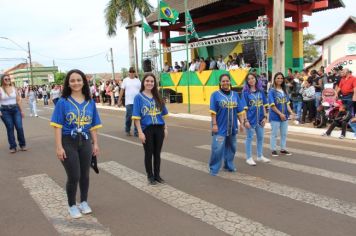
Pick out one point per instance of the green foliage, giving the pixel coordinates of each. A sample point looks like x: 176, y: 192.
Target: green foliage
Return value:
x: 311, y: 52
x: 59, y: 78
x: 124, y: 72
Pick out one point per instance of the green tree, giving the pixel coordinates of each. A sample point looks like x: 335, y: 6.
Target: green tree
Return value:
x: 124, y: 72
x: 311, y: 52
x: 124, y: 11
x: 59, y: 78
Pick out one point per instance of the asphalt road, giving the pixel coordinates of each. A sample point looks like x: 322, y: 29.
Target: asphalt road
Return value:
x: 312, y: 192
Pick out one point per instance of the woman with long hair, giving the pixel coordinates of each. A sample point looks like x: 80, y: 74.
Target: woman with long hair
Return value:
x: 280, y: 111
x: 75, y: 120
x: 32, y: 100
x: 11, y: 113
x: 148, y: 114
x: 255, y: 99
x: 225, y: 107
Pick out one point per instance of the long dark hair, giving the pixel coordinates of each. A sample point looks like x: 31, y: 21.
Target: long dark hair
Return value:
x: 283, y: 85
x: 67, y: 91
x: 220, y: 78
x: 258, y: 83
x: 156, y: 96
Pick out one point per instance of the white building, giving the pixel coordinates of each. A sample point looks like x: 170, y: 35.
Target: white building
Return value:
x: 339, y: 48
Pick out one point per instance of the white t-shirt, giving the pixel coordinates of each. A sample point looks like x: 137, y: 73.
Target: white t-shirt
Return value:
x: 55, y: 93
x: 7, y: 99
x: 132, y: 88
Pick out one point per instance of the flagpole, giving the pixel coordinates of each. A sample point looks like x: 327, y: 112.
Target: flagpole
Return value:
x: 159, y: 44
x: 187, y: 51
x: 142, y: 71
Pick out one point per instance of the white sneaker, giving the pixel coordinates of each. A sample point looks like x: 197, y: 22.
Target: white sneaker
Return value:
x: 296, y: 122
x: 85, y: 208
x: 251, y: 162
x: 263, y: 159
x: 74, y: 212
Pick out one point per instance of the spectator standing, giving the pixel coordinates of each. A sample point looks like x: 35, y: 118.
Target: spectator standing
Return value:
x: 32, y: 100
x: 131, y: 86
x: 221, y: 64
x: 202, y: 65
x: 347, y: 89
x: 212, y: 64
x: 55, y: 94
x: 297, y: 97
x: 308, y: 93
x: 11, y: 113
x: 192, y: 65
x: 352, y: 124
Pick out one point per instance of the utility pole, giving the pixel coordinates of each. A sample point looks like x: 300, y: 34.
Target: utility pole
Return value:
x: 112, y: 64
x: 278, y: 37
x: 29, y: 57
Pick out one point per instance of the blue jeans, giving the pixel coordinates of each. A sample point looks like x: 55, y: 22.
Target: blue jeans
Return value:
x: 297, y: 108
x: 249, y: 137
x: 347, y: 100
x: 33, y: 107
x: 282, y: 127
x: 45, y: 100
x: 222, y: 148
x: 128, y: 122
x: 353, y: 127
x: 317, y: 99
x: 11, y: 116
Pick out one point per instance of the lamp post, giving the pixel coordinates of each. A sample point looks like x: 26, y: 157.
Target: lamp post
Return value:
x: 28, y: 50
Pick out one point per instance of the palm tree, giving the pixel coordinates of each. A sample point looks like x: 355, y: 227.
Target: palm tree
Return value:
x: 124, y: 12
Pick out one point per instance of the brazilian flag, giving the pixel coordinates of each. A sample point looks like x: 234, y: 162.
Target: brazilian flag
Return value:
x: 168, y: 13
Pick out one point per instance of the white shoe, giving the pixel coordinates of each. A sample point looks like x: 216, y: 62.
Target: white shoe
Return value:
x: 74, y: 212
x: 85, y: 208
x: 354, y: 137
x: 296, y: 122
x: 251, y: 162
x: 263, y: 159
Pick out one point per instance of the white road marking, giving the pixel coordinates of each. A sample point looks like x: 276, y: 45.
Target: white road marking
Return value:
x: 300, y: 168
x: 52, y: 201
x: 318, y: 200
x: 224, y: 220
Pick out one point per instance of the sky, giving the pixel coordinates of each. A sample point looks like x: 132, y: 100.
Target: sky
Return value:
x: 72, y: 33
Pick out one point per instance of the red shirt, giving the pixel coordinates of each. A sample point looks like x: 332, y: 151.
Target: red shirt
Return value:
x: 347, y: 85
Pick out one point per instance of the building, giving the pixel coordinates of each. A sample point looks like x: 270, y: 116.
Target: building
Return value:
x: 21, y: 75
x: 339, y: 48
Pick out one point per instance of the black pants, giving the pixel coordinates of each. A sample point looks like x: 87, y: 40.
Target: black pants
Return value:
x: 337, y: 123
x: 153, y: 146
x: 77, y: 166
x: 308, y: 108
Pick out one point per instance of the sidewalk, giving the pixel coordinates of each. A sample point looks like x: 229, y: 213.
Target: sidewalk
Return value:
x: 201, y: 112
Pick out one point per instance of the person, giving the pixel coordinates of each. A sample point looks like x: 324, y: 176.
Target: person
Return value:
x: 256, y: 102
x: 212, y: 64
x: 148, y: 114
x: 55, y: 94
x: 32, y: 100
x: 347, y: 89
x: 225, y: 107
x: 352, y: 124
x: 177, y: 68
x: 280, y: 111
x: 318, y: 86
x: 11, y: 113
x: 192, y: 65
x: 221, y: 64
x: 131, y: 85
x: 308, y: 93
x: 75, y: 120
x: 202, y: 65
x: 342, y: 119
x: 296, y: 97
x: 45, y: 95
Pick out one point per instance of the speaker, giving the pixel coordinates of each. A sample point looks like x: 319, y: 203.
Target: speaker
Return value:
x: 147, y: 65
x: 249, y: 53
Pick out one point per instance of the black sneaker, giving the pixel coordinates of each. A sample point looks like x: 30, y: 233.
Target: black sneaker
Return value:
x: 160, y: 180
x: 151, y: 181
x: 275, y: 154
x: 285, y: 152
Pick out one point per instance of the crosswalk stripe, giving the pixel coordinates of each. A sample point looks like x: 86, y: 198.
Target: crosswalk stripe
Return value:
x: 224, y: 220
x: 52, y: 200
x: 327, y: 145
x: 314, y: 154
x: 301, y: 168
x: 318, y: 200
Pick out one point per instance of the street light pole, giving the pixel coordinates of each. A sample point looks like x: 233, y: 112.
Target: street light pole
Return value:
x: 30, y: 59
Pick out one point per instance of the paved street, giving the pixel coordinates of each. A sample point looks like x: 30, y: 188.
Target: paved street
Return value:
x: 312, y: 192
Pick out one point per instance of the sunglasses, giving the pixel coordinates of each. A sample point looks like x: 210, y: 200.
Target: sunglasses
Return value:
x: 7, y: 79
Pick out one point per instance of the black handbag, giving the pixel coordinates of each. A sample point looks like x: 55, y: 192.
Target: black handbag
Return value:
x: 94, y: 164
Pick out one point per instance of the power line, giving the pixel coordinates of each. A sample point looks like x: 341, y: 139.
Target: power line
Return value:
x: 71, y: 59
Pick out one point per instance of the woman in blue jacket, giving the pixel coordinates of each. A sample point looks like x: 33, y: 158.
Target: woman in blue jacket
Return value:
x: 256, y: 102
x: 225, y: 107
x: 278, y: 100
